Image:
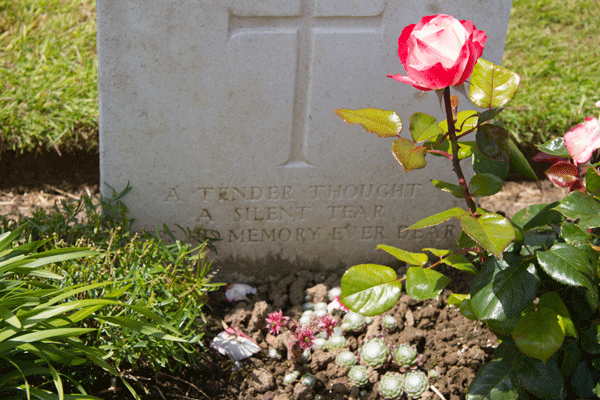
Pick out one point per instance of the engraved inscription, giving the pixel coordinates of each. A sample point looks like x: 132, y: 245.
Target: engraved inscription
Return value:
x: 364, y: 192
x: 300, y: 235
x: 355, y: 212
x: 305, y: 214
x: 245, y: 193
x: 350, y: 232
x: 292, y: 213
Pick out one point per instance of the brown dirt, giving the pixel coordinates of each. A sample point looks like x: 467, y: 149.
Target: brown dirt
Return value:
x: 451, y: 344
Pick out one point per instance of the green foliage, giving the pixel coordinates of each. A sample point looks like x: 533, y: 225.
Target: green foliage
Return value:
x: 40, y: 322
x: 171, y: 279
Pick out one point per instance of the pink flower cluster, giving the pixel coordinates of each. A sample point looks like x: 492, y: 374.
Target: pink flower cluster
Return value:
x: 303, y: 335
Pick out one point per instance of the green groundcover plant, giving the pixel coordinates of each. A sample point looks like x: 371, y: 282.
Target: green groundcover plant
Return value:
x: 536, y: 275
x: 169, y: 278
x: 40, y: 323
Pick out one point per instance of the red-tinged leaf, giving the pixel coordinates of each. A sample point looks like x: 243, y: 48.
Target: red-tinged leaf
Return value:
x: 549, y: 158
x: 411, y: 157
x: 577, y: 186
x: 380, y: 122
x: 562, y: 174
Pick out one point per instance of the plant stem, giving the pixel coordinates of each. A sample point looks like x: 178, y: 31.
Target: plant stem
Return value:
x: 455, y: 159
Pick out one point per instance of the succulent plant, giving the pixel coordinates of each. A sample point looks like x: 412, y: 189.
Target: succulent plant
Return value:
x: 274, y: 354
x: 390, y: 323
x: 345, y: 359
x: 405, y: 355
x: 337, y: 342
x: 319, y: 343
x: 356, y: 322
x: 306, y: 318
x: 320, y: 313
x: 320, y: 306
x: 433, y: 375
x: 358, y: 375
x: 306, y: 357
x: 335, y: 292
x: 374, y: 352
x: 308, y: 379
x: 308, y: 306
x: 390, y: 386
x: 415, y: 383
x: 368, y: 320
x: 288, y: 379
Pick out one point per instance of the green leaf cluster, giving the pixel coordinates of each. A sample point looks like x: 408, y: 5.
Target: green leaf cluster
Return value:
x: 170, y: 280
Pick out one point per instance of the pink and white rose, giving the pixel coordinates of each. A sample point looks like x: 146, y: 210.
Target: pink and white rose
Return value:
x: 582, y: 140
x: 439, y: 51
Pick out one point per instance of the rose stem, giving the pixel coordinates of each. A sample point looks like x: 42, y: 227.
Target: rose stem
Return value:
x: 455, y: 159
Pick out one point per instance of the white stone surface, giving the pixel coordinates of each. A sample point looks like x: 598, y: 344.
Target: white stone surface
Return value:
x: 220, y: 113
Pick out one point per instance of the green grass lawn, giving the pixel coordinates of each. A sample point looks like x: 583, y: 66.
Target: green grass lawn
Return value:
x: 48, y: 70
x: 48, y: 75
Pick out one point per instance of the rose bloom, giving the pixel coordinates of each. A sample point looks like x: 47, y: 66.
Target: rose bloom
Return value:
x: 582, y: 140
x: 439, y: 51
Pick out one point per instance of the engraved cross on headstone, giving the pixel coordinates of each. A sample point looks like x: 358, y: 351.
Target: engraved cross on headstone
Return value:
x: 306, y: 25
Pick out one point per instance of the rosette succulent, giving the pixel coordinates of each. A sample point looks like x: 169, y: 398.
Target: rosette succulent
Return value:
x: 415, y: 383
x: 390, y: 386
x: 358, y: 375
x: 345, y: 359
x: 319, y: 343
x: 405, y: 355
x: 390, y: 323
x: 337, y: 342
x: 335, y: 292
x: 308, y: 379
x: 374, y: 353
x: 288, y: 379
x: 355, y: 322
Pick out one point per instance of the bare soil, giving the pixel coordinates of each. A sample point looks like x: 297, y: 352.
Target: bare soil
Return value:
x: 452, y: 345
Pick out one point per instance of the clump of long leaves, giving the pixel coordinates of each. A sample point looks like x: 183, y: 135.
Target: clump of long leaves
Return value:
x: 40, y: 323
x: 168, y: 276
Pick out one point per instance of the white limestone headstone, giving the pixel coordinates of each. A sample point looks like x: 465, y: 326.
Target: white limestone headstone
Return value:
x: 220, y: 114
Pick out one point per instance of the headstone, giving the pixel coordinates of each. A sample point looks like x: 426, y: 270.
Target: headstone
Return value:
x: 220, y: 114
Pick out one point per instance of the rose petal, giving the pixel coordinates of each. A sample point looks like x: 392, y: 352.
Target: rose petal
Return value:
x: 238, y: 291
x: 582, y: 140
x: 234, y: 343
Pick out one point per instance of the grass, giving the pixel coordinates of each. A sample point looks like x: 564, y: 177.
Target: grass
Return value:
x: 555, y: 46
x: 48, y: 67
x: 48, y: 75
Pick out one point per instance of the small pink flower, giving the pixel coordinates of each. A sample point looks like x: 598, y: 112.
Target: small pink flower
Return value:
x: 305, y: 335
x: 326, y: 324
x: 276, y: 320
x: 582, y: 140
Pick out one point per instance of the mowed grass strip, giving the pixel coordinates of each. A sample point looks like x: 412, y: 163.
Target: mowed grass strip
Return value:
x: 48, y: 75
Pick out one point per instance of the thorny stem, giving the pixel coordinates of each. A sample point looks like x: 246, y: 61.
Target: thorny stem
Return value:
x: 455, y: 159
